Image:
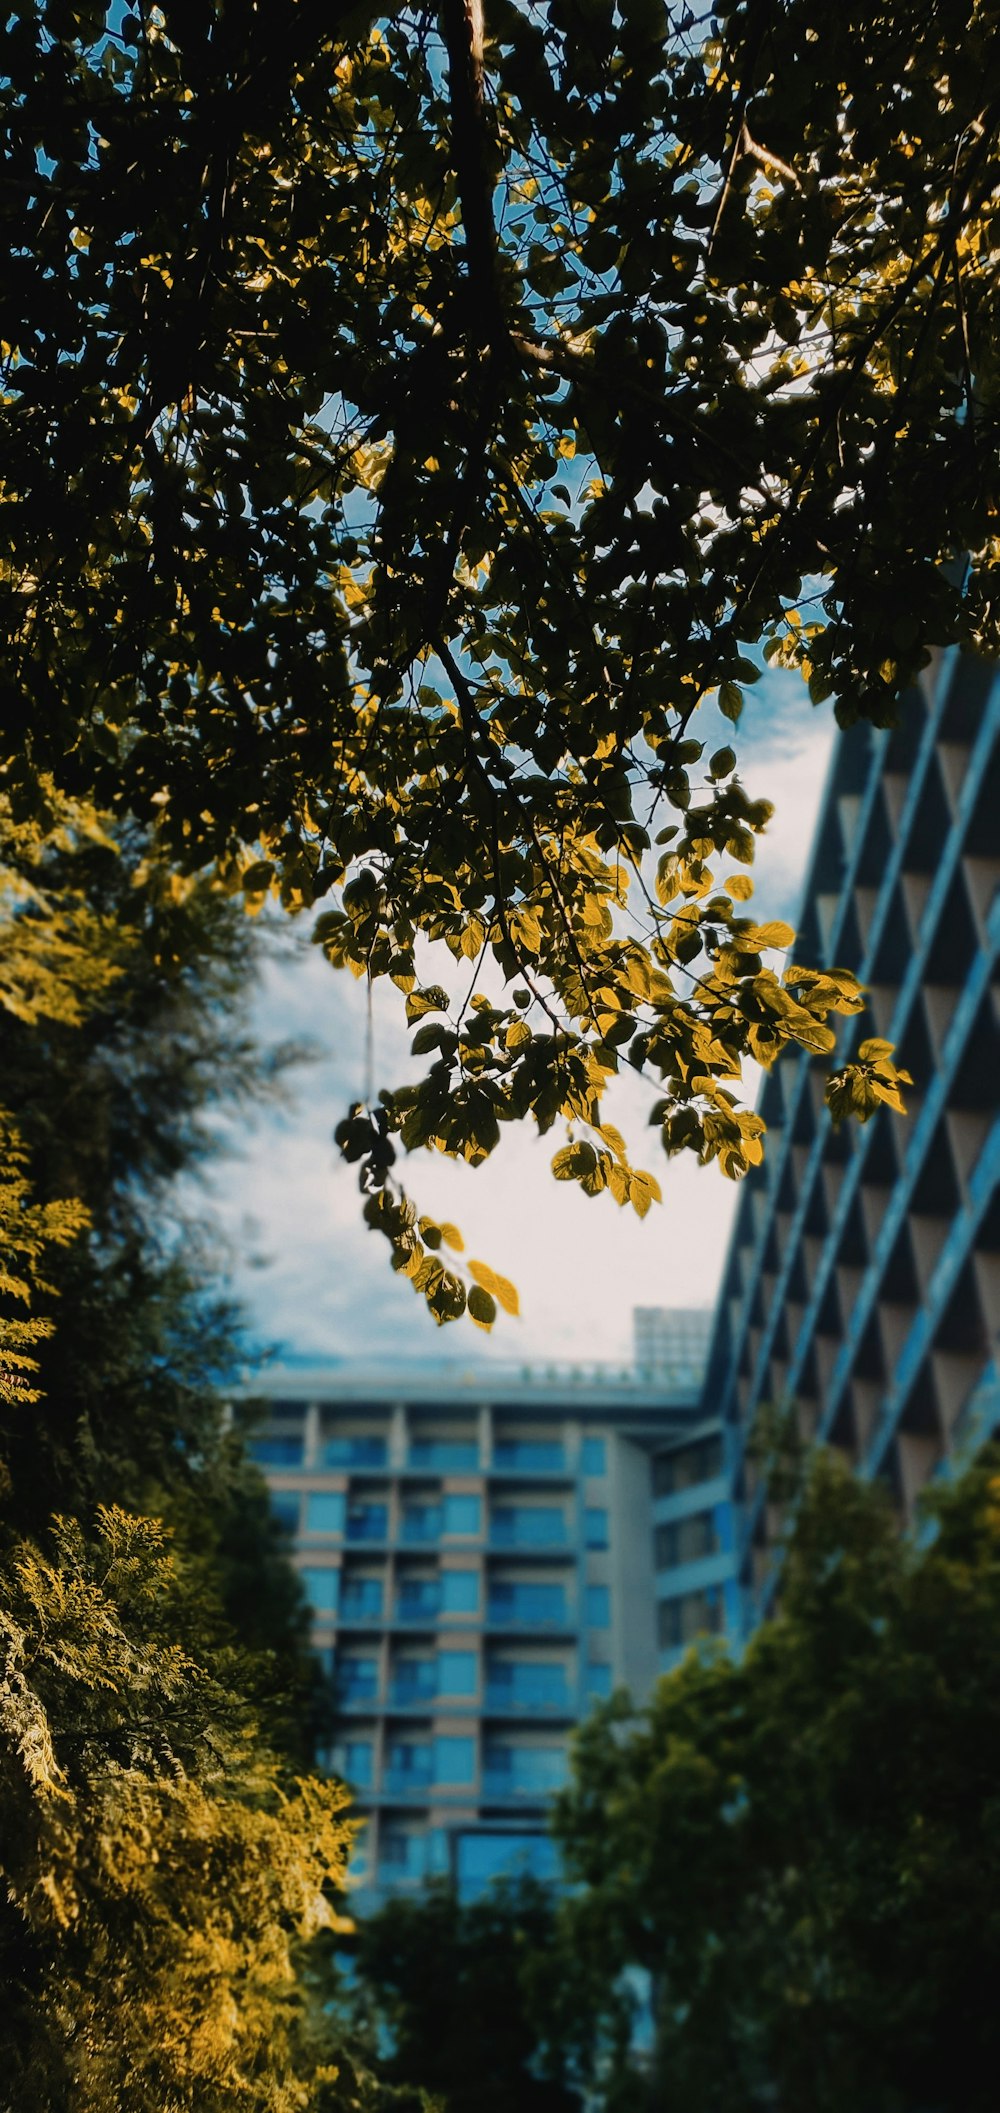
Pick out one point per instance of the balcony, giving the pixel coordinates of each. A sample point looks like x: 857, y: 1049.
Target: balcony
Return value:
x: 412, y: 1694
x: 425, y: 1607
x: 528, y: 1606
x: 361, y: 1606
x: 407, y: 1782
x: 507, y: 1699
x: 371, y: 1525
x: 421, y: 1526
x: 527, y: 1529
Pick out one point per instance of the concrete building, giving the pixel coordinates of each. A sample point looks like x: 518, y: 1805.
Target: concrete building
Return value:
x: 478, y: 1554
x: 863, y: 1280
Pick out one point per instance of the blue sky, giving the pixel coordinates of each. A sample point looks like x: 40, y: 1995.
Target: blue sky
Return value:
x: 316, y: 1284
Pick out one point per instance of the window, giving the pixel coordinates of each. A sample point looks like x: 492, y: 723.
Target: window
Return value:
x: 530, y: 1771
x: 357, y: 1679
x: 421, y: 1522
x: 689, y: 1464
x: 409, y: 1764
x: 460, y: 1591
x: 276, y: 1452
x: 285, y: 1510
x: 513, y: 1602
x: 483, y: 1857
x: 594, y: 1457
x: 597, y: 1606
x: 598, y: 1682
x: 358, y: 1760
x: 368, y: 1522
x: 457, y: 1673
x: 325, y: 1511
x: 321, y: 1589
x: 538, y: 1455
x: 595, y: 1528
x: 513, y: 1684
x: 448, y: 1455
x: 402, y: 1855
x: 354, y: 1452
x: 418, y: 1597
x: 454, y: 1760
x: 690, y: 1615
x: 362, y: 1596
x: 528, y: 1525
x: 686, y: 1540
x: 415, y: 1680
x: 461, y: 1514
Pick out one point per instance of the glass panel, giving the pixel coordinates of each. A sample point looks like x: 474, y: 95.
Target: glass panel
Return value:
x: 368, y: 1522
x: 357, y: 1679
x: 421, y: 1522
x: 527, y: 1525
x: 354, y: 1452
x: 484, y: 1857
x: 325, y: 1511
x: 454, y: 1760
x: 358, y: 1761
x: 461, y: 1514
x: 409, y: 1766
x: 528, y: 1603
x: 321, y: 1588
x: 457, y: 1673
x: 595, y: 1528
x: 686, y: 1540
x: 415, y: 1680
x: 691, y: 1614
x: 285, y: 1510
x: 452, y: 1455
x: 460, y: 1591
x: 276, y: 1452
x: 531, y: 1686
x: 402, y: 1855
x: 598, y: 1682
x: 361, y: 1596
x: 418, y: 1596
x: 597, y: 1606
x: 594, y: 1457
x: 538, y: 1454
x: 700, y: 1461
x: 525, y: 1770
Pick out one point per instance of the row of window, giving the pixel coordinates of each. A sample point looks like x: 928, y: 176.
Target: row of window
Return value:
x: 509, y: 1683
x: 450, y: 1592
x: 686, y: 1540
x: 413, y: 1765
x: 510, y: 1526
x: 439, y: 1455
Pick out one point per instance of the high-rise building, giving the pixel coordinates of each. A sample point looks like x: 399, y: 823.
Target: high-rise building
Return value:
x: 862, y: 1287
x: 477, y: 1552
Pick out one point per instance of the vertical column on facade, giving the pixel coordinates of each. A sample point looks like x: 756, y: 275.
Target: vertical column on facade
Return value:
x: 312, y: 1435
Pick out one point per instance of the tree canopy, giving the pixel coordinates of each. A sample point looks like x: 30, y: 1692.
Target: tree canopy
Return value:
x: 410, y: 421
x: 800, y: 1848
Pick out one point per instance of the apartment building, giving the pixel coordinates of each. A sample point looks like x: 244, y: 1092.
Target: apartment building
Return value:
x: 477, y: 1552
x: 863, y: 1280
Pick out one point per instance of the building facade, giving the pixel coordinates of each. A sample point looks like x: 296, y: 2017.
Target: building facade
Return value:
x: 477, y: 1553
x: 862, y: 1288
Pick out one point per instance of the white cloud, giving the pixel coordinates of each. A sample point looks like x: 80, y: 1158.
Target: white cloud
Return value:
x: 325, y: 1288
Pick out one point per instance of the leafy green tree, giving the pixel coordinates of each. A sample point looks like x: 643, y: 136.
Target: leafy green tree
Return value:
x: 410, y: 422
x: 453, y: 1987
x: 801, y: 1847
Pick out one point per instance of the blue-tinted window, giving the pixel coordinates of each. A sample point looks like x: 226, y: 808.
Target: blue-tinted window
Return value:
x: 325, y: 1511
x: 358, y: 1754
x: 402, y: 1855
x: 447, y: 1455
x: 456, y: 1672
x: 354, y: 1452
x: 535, y: 1454
x: 276, y: 1452
x: 527, y: 1603
x: 512, y: 1684
x: 484, y: 1857
x: 417, y: 1596
x: 414, y: 1680
x: 361, y: 1596
x: 454, y: 1759
x: 598, y: 1682
x: 597, y: 1606
x: 530, y: 1770
x: 461, y: 1514
x: 594, y: 1457
x: 357, y: 1679
x: 285, y: 1506
x: 321, y: 1587
x: 421, y: 1522
x: 409, y: 1764
x: 460, y: 1591
x: 527, y: 1525
x: 368, y: 1522
x: 595, y: 1528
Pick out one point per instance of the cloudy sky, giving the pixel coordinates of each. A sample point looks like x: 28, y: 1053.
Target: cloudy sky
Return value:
x: 316, y: 1285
